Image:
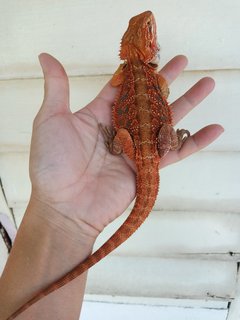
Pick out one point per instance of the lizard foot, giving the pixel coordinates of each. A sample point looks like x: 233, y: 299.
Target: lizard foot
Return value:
x: 181, y: 137
x: 109, y: 135
x: 169, y: 139
x: 118, y: 142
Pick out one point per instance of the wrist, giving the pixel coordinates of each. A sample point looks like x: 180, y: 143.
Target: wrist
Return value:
x: 73, y: 230
x: 46, y: 247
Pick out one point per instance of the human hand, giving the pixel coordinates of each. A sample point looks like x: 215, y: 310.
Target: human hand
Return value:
x: 70, y: 169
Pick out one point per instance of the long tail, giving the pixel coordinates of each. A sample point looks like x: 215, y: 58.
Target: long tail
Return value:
x: 147, y: 189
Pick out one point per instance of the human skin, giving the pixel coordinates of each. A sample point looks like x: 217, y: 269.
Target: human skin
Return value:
x: 78, y: 188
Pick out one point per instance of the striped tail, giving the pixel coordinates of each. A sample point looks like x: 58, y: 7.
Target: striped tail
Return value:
x: 147, y: 181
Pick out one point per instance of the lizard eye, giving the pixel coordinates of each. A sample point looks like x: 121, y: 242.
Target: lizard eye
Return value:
x: 149, y: 24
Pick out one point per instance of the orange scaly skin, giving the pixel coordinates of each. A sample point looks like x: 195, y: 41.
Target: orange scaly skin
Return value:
x: 143, y: 130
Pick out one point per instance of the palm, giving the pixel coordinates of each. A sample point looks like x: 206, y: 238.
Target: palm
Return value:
x: 70, y: 166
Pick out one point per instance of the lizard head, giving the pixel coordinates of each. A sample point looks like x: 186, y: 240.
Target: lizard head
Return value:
x: 140, y: 39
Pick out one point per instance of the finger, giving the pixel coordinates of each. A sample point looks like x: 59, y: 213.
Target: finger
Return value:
x: 101, y: 106
x: 194, y: 143
x: 192, y: 98
x: 173, y: 68
x: 56, y: 87
x: 108, y: 93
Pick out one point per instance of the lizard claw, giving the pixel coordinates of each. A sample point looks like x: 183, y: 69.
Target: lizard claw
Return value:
x: 182, y: 135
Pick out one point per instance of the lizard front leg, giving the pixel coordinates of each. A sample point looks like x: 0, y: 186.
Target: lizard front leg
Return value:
x: 118, y: 141
x: 118, y: 76
x: 163, y: 86
x: 169, y: 139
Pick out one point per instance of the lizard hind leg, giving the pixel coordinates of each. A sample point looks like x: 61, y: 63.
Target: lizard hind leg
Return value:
x: 118, y: 142
x: 169, y: 139
x: 179, y: 137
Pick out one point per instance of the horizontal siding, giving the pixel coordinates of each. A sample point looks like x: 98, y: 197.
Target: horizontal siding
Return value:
x: 9, y: 225
x: 77, y: 32
x: 205, y: 181
x: 234, y: 312
x: 3, y: 204
x: 15, y: 179
x: 91, y: 310
x: 151, y: 301
x: 168, y: 278
x: 181, y: 234
x: 3, y: 255
x: 21, y: 99
x: 3, y: 249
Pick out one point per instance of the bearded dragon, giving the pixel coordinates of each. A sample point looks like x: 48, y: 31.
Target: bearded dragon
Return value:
x: 142, y: 122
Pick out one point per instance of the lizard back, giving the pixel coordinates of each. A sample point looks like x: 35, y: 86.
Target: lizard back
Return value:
x: 141, y: 108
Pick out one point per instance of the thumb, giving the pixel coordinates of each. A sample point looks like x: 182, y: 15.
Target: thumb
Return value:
x: 56, y: 87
